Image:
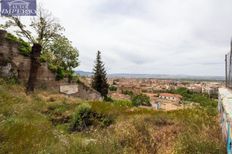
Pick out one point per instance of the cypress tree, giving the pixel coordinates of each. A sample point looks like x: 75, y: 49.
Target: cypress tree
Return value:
x: 99, y: 81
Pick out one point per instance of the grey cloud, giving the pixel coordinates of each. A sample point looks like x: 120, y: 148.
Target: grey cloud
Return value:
x: 150, y: 36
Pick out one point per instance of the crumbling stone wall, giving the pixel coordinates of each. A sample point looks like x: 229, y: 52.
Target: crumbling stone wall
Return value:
x: 87, y: 93
x: 82, y: 91
x: 14, y: 64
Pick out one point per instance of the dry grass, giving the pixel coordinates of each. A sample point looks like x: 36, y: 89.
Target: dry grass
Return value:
x: 39, y: 123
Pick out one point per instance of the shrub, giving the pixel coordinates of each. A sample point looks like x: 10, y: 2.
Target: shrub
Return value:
x: 84, y: 117
x: 81, y: 118
x: 76, y: 78
x: 141, y: 100
x: 60, y: 74
x: 104, y: 120
x: 24, y: 48
x: 108, y: 99
x: 12, y: 80
x: 127, y: 92
x: 212, y: 111
x: 112, y: 88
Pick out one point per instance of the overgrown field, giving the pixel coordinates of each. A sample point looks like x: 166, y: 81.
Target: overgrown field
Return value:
x: 47, y: 122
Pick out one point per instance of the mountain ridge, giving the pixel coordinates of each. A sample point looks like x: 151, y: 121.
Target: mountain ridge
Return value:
x: 155, y: 76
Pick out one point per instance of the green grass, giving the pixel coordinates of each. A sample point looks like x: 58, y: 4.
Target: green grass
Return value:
x: 40, y: 123
x: 24, y: 47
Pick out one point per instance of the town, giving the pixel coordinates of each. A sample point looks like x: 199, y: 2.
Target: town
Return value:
x: 130, y: 77
x: 159, y: 91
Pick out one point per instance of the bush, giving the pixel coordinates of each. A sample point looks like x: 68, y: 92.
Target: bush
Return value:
x: 24, y: 48
x: 127, y: 92
x: 84, y: 117
x: 81, y: 118
x: 60, y: 74
x: 112, y: 88
x: 105, y: 121
x: 108, y: 99
x: 141, y: 100
x: 76, y: 79
x: 12, y: 80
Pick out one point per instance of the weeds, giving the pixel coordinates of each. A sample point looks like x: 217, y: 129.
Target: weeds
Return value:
x: 84, y: 117
x: 41, y: 123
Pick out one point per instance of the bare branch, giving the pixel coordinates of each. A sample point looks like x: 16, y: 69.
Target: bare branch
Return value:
x: 44, y: 28
x: 15, y: 21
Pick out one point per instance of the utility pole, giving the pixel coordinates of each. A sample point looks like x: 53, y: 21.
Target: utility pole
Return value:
x: 226, y: 69
x: 229, y: 69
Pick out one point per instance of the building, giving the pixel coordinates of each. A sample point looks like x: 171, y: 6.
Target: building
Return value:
x: 211, y: 89
x: 156, y: 106
x: 129, y: 88
x: 171, y: 97
x: 193, y: 88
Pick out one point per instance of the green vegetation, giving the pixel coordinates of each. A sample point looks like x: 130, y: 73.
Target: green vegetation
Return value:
x: 108, y: 99
x: 203, y: 99
x: 84, y: 117
x: 205, y: 102
x: 113, y: 88
x: 45, y: 35
x: 24, y: 47
x: 127, y: 92
x: 123, y: 103
x: 81, y: 117
x: 99, y: 82
x: 61, y: 57
x: 138, y: 99
x: 141, y: 99
x: 40, y: 123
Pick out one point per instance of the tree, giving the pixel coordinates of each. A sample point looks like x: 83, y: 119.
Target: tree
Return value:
x: 99, y: 81
x: 62, y: 57
x: 43, y: 30
x: 141, y: 99
x: 35, y: 63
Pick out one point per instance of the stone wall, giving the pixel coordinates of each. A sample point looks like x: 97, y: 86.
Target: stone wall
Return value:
x: 82, y: 91
x: 14, y: 64
x: 87, y: 93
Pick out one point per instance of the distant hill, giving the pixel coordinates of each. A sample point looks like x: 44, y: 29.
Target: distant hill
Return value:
x: 157, y: 76
x: 83, y: 73
x: 164, y: 76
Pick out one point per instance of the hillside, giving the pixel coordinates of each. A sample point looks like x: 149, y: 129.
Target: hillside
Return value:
x: 157, y: 76
x: 48, y: 122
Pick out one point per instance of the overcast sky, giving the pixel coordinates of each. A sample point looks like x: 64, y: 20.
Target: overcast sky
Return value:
x: 148, y: 36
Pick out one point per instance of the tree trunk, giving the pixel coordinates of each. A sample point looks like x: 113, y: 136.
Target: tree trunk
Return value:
x: 35, y: 64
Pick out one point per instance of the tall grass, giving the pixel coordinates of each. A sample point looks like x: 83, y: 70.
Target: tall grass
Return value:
x: 40, y: 123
